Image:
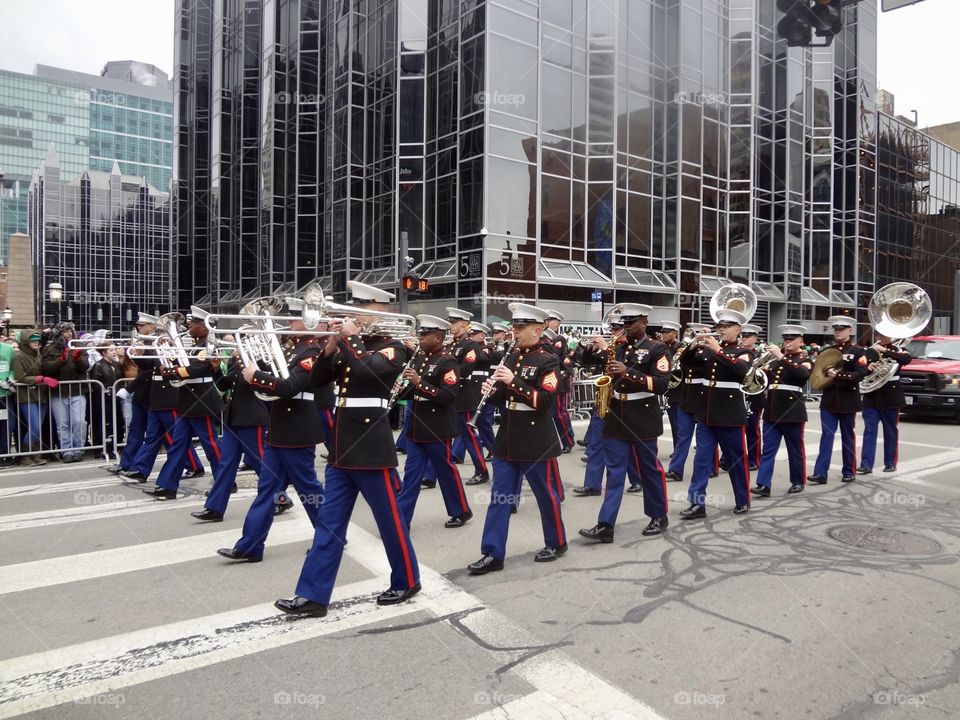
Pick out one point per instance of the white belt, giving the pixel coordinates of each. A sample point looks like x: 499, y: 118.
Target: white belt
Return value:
x: 724, y: 384
x: 519, y: 407
x: 420, y: 398
x: 696, y: 381
x: 631, y: 396
x: 302, y: 396
x: 361, y: 402
x: 196, y: 381
x: 791, y: 388
x: 895, y: 377
x: 479, y: 373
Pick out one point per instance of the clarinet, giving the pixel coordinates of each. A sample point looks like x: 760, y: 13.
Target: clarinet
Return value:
x: 508, y: 351
x: 400, y: 384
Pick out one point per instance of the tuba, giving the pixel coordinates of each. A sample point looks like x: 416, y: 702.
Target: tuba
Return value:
x: 899, y: 310
x: 734, y: 296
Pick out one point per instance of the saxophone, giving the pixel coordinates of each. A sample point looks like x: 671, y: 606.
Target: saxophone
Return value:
x: 604, y: 383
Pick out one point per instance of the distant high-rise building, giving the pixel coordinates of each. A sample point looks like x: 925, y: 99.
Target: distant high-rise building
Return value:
x: 136, y: 72
x: 105, y: 237
x: 92, y: 121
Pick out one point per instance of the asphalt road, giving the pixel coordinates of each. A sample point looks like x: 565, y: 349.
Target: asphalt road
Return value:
x: 838, y: 602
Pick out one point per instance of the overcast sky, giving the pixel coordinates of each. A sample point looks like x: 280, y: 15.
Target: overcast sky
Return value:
x: 917, y: 44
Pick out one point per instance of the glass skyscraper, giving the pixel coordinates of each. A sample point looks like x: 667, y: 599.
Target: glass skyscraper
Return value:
x: 90, y: 120
x: 572, y: 152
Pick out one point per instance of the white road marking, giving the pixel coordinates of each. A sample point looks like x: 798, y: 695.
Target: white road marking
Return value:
x: 58, y: 487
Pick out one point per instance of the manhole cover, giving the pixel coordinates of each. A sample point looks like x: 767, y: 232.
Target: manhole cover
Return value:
x: 884, y: 540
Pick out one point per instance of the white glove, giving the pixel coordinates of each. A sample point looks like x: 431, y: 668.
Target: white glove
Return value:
x: 123, y: 393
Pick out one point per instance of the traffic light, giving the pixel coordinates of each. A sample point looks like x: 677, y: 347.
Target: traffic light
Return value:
x: 801, y: 18
x: 414, y: 284
x: 828, y: 18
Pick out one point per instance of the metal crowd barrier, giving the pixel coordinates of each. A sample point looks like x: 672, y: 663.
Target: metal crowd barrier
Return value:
x: 582, y: 398
x: 32, y: 428
x: 121, y: 421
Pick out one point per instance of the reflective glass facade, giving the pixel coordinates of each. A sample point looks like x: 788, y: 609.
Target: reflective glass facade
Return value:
x: 647, y: 150
x: 91, y: 121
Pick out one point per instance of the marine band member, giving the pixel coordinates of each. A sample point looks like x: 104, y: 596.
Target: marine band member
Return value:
x: 882, y: 406
x: 690, y: 392
x: 470, y: 355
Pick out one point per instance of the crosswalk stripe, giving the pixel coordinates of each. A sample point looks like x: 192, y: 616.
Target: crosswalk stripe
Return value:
x: 131, y: 558
x: 58, y: 487
x: 102, y: 511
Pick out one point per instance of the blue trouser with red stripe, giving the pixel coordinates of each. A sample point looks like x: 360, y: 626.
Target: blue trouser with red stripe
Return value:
x: 236, y: 442
x: 281, y: 466
x: 421, y: 457
x: 686, y: 426
x: 754, y: 438
x: 792, y: 435
x: 561, y: 418
x: 160, y: 423
x: 673, y: 413
x: 135, y: 435
x: 597, y: 462
x: 733, y: 442
x: 472, y: 443
x: 872, y: 419
x: 594, y: 432
x: 848, y: 442
x: 507, y: 476
x: 184, y: 430
x: 621, y: 454
x: 402, y: 440
x: 379, y: 488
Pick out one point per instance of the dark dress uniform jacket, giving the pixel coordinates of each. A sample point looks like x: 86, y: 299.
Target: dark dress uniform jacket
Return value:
x: 470, y: 356
x: 140, y: 386
x: 692, y: 368
x: 294, y: 420
x: 842, y: 396
x: 721, y: 405
x: 244, y: 408
x: 362, y: 437
x: 434, y: 415
x: 529, y: 434
x: 198, y: 396
x: 565, y: 356
x: 786, y: 404
x: 648, y: 372
x: 889, y: 395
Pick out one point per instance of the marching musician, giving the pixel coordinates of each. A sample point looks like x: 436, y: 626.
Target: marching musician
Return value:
x: 841, y: 402
x: 749, y: 337
x: 526, y: 444
x: 785, y: 412
x: 882, y: 406
x: 477, y: 333
x: 565, y: 355
x: 294, y: 431
x: 500, y: 336
x: 690, y: 390
x: 198, y: 406
x: 669, y: 333
x: 720, y: 412
x: 433, y: 383
x: 640, y: 371
x: 363, y: 460
x: 468, y: 354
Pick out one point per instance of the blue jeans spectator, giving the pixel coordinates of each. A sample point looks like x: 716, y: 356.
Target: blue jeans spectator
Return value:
x: 31, y: 419
x: 69, y: 413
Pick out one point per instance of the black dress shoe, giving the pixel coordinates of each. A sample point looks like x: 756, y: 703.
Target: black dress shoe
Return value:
x: 656, y: 526
x: 233, y: 488
x: 244, y: 467
x: 162, y: 493
x: 693, y: 512
x: 566, y: 451
x: 428, y: 484
x: 395, y: 597
x: 741, y: 509
x: 513, y: 510
x: 134, y: 475
x: 601, y: 532
x: 635, y: 489
x: 301, y: 606
x: 116, y: 470
x: 864, y: 470
x: 459, y: 520
x: 581, y: 443
x: 549, y: 554
x: 479, y: 479
x: 754, y: 468
x: 760, y: 491
x: 584, y: 459
x: 187, y: 473
x: 488, y: 457
x: 714, y: 474
x: 281, y: 508
x: 486, y: 564
x: 673, y: 477
x: 723, y: 466
x: 207, y: 515
x: 794, y: 489
x: 401, y: 451
x: 890, y: 468
x: 846, y: 478
x: 585, y: 491
x: 232, y: 554
x: 817, y: 480
x: 457, y: 461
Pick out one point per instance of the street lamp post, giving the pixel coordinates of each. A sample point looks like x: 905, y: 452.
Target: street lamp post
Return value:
x: 55, y: 293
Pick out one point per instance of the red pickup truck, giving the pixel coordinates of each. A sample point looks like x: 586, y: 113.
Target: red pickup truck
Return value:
x: 931, y: 382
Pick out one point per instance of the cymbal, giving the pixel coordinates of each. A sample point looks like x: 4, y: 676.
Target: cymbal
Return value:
x: 829, y: 358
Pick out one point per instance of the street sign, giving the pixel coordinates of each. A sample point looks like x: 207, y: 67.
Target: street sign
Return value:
x: 596, y: 296
x: 889, y: 5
